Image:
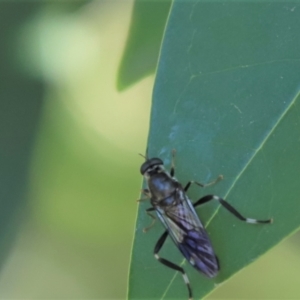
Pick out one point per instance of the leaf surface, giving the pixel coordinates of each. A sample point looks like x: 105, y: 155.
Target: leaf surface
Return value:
x: 226, y: 98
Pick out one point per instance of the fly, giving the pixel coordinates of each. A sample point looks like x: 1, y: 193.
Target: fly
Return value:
x: 177, y: 213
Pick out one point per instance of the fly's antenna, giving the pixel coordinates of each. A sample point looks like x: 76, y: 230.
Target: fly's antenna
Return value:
x: 146, y: 157
x: 143, y: 156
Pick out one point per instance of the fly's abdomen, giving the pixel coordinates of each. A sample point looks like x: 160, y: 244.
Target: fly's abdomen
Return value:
x: 197, y: 249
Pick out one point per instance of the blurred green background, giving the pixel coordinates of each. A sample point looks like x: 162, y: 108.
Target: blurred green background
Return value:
x: 69, y: 163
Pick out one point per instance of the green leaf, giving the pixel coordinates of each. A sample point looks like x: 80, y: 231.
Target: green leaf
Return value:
x: 20, y: 108
x: 226, y: 98
x: 142, y: 48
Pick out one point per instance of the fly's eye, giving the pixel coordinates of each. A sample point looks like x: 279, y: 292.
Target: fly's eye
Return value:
x: 152, y: 163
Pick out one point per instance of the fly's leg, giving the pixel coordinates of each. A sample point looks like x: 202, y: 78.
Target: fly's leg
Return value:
x: 153, y: 219
x: 231, y: 209
x: 219, y: 178
x: 172, y: 171
x: 147, y: 193
x: 169, y: 264
x: 148, y: 196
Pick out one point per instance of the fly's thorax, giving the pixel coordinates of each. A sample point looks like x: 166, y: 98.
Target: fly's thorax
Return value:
x: 161, y: 186
x: 168, y: 203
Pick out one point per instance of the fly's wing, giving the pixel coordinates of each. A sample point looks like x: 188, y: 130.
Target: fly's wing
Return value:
x: 189, y: 235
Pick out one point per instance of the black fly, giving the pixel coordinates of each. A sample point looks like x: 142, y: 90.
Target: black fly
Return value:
x: 177, y: 213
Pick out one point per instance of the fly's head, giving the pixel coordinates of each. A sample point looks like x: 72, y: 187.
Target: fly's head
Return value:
x: 152, y: 167
x: 160, y: 184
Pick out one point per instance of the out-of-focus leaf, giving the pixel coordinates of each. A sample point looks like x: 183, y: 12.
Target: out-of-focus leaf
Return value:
x: 144, y: 40
x: 20, y: 106
x: 227, y: 98
x: 68, y: 6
